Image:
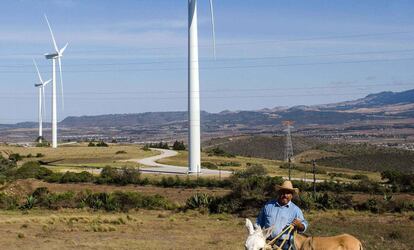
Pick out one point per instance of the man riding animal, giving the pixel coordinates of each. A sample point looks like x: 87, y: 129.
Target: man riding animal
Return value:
x: 281, y: 217
x: 282, y: 212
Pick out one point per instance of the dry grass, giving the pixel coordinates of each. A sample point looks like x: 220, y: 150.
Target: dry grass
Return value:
x: 71, y: 229
x: 81, y: 154
x: 272, y: 166
x: 143, y: 229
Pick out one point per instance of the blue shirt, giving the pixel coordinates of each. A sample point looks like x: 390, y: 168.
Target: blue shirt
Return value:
x: 278, y: 216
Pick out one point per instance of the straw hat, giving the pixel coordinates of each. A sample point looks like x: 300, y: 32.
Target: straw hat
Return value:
x: 287, y: 185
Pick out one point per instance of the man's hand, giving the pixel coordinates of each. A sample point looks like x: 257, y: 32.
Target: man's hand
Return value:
x: 298, y: 224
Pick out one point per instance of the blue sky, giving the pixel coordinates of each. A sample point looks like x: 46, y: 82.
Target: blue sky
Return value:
x: 130, y: 56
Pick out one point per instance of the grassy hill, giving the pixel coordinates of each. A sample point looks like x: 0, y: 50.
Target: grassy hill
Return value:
x: 351, y: 156
x: 267, y: 147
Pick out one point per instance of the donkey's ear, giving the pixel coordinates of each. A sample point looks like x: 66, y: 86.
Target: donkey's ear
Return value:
x: 267, y: 232
x: 249, y: 226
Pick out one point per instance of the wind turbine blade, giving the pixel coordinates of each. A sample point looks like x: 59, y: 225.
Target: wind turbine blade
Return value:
x: 61, y: 82
x: 37, y: 69
x: 63, y: 49
x: 213, y: 27
x: 53, y: 37
x: 45, y: 83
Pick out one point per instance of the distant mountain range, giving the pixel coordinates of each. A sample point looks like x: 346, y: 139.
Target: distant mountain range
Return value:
x: 374, y: 106
x: 384, y: 105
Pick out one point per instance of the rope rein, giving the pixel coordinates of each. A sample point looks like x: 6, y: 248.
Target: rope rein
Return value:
x: 273, y: 241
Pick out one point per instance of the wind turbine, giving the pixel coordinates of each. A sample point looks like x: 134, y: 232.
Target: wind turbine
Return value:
x: 55, y: 56
x: 194, y: 160
x: 41, y: 87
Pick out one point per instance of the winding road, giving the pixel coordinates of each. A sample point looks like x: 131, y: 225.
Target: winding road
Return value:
x: 155, y: 167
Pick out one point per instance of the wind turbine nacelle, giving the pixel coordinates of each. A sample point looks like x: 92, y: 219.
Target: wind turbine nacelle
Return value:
x: 51, y: 56
x: 38, y: 85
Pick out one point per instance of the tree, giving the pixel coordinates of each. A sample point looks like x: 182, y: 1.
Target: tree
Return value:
x: 178, y: 145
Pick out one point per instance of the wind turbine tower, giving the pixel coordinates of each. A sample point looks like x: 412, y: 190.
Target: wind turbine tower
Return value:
x: 41, y: 87
x: 289, y: 145
x: 194, y: 159
x: 55, y: 56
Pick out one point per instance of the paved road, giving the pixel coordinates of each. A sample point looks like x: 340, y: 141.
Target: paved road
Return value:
x: 155, y: 167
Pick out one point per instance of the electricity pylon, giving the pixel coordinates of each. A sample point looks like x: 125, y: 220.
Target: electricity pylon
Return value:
x: 289, y: 145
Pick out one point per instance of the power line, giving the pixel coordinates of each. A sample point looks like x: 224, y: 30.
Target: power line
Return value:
x: 225, y: 44
x: 203, y: 97
x: 218, y: 60
x: 223, y: 67
x: 68, y: 93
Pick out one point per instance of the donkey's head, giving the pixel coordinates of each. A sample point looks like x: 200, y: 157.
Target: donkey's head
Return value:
x: 256, y: 240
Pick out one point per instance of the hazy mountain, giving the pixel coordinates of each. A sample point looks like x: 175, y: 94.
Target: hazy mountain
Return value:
x: 384, y: 105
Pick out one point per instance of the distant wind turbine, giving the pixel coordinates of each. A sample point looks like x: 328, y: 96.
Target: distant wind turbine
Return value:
x: 41, y: 87
x: 194, y: 160
x: 55, y: 56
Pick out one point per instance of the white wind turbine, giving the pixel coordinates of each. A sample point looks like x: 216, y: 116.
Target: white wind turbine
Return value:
x: 55, y: 56
x: 194, y: 160
x: 42, y: 109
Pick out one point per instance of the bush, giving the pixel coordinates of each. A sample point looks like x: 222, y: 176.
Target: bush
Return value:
x: 178, y: 145
x: 162, y: 145
x: 219, y: 152
x: 15, y: 157
x: 230, y: 164
x: 124, y: 176
x: 83, y: 176
x: 101, y: 144
x: 6, y: 165
x: 54, y: 177
x: 120, y: 152
x: 8, y: 201
x: 208, y: 165
x: 252, y: 170
x: 32, y: 169
x: 91, y: 144
x: 199, y: 200
x: 39, y: 155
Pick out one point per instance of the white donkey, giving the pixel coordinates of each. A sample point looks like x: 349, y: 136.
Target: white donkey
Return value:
x: 256, y: 240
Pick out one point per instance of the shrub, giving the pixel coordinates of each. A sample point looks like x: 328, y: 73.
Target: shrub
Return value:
x: 39, y: 155
x: 124, y: 176
x: 91, y: 144
x: 30, y: 202
x: 120, y: 152
x: 220, y: 152
x: 32, y: 169
x: 252, y: 170
x: 101, y: 144
x: 6, y: 165
x: 178, y: 145
x: 54, y: 177
x: 77, y: 177
x: 8, y: 201
x: 199, y: 200
x: 208, y: 165
x: 230, y: 164
x: 15, y: 157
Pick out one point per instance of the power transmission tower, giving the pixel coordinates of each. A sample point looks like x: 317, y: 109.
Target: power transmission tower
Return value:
x: 289, y: 145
